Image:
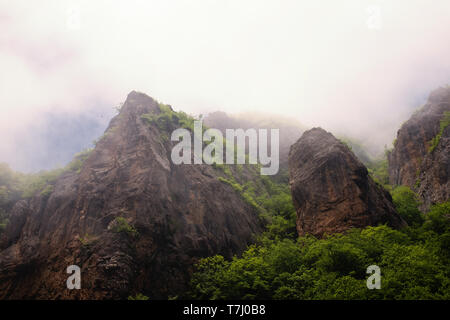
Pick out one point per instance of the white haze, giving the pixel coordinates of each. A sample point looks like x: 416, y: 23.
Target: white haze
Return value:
x: 323, y: 63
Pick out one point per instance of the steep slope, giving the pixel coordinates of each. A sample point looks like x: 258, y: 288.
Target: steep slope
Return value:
x: 331, y: 188
x: 421, y: 155
x: 129, y: 218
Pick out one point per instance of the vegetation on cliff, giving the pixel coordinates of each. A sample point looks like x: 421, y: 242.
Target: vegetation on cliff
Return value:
x: 444, y: 123
x: 414, y: 261
x: 167, y: 119
x: 15, y: 186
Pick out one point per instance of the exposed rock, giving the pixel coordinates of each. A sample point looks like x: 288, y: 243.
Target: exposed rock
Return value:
x: 332, y: 190
x: 172, y: 215
x: 412, y: 163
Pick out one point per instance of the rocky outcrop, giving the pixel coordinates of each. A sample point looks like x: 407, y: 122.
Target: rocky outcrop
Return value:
x: 130, y: 219
x: 332, y: 190
x: 414, y: 162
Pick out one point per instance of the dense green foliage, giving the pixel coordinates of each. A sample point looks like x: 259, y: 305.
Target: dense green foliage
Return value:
x: 378, y: 170
x: 272, y: 200
x: 414, y: 261
x: 407, y: 202
x: 246, y: 191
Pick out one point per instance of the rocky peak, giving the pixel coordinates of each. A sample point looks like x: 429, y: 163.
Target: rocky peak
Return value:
x: 129, y: 218
x: 331, y: 188
x: 139, y: 103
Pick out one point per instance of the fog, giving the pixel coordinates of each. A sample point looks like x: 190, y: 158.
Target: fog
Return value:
x: 354, y: 67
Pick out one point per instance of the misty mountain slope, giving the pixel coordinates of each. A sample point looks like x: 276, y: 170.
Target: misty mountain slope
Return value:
x: 129, y: 218
x: 421, y: 155
x: 359, y: 150
x: 332, y: 190
x: 290, y: 131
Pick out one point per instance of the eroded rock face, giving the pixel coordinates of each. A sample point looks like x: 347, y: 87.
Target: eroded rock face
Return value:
x: 180, y: 212
x: 411, y: 162
x: 332, y: 190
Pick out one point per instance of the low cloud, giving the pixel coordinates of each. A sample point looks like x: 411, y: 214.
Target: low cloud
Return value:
x: 340, y: 65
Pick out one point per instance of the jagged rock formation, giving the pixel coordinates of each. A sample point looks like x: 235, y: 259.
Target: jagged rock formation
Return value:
x: 130, y: 219
x: 413, y: 162
x: 332, y: 190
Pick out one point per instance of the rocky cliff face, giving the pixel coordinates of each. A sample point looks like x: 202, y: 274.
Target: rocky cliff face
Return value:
x: 130, y: 219
x: 414, y: 162
x: 332, y: 190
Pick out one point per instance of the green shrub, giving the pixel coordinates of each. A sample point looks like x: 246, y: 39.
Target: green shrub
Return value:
x: 378, y: 170
x: 77, y: 163
x: 138, y: 296
x: 121, y: 226
x: 40, y: 182
x: 443, y: 123
x: 437, y: 218
x: 407, y: 204
x: 47, y: 191
x: 167, y: 119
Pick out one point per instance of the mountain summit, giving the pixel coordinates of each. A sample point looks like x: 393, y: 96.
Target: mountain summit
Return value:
x: 128, y: 217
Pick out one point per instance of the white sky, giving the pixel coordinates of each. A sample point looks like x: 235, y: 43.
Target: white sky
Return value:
x: 337, y: 64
